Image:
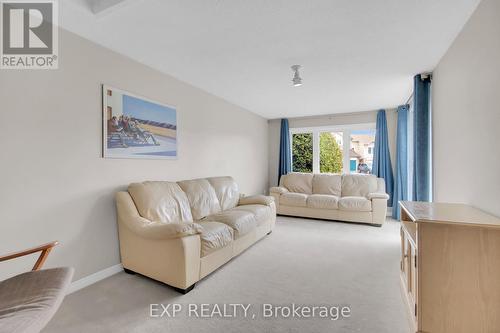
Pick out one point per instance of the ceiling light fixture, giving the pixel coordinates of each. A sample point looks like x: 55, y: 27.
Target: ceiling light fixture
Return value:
x: 297, y: 80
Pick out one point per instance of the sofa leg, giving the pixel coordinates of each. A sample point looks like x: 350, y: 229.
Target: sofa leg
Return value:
x: 180, y: 290
x: 184, y: 291
x: 128, y: 271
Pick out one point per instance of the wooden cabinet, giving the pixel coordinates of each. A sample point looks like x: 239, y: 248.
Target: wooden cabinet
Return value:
x: 450, y: 268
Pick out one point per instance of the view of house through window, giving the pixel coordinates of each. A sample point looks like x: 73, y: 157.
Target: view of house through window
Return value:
x: 335, y: 150
x: 361, y: 151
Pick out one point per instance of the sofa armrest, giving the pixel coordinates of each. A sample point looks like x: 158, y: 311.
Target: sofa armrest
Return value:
x: 256, y: 200
x: 379, y: 210
x: 129, y: 216
x: 278, y: 190
x: 377, y: 195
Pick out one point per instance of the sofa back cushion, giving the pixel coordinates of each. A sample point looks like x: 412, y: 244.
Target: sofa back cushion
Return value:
x: 201, y: 196
x: 297, y: 182
x: 161, y: 201
x: 226, y: 190
x: 358, y: 185
x: 325, y: 183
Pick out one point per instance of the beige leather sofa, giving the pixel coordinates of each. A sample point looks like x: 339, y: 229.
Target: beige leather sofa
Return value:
x: 351, y: 198
x: 178, y: 233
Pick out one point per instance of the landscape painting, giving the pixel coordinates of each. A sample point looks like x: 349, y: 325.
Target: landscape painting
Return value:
x: 135, y: 127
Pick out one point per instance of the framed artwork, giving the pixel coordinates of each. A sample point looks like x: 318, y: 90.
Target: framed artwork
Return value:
x: 136, y: 127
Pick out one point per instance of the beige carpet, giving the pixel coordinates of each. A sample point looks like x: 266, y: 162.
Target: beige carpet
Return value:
x: 306, y: 262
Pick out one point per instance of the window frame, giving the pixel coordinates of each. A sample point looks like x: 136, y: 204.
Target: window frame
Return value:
x: 346, y: 141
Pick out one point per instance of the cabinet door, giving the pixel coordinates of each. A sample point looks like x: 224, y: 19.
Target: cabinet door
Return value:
x: 405, y: 247
x: 413, y: 279
x: 403, y: 241
x: 409, y: 274
x: 409, y: 267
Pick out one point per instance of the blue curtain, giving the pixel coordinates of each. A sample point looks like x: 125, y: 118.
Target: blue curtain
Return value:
x: 401, y: 179
x: 285, y: 150
x: 381, y: 159
x: 422, y: 139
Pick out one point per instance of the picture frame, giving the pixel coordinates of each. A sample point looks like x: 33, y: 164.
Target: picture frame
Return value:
x: 135, y: 127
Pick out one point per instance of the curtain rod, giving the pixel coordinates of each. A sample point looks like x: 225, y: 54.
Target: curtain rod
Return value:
x: 424, y: 76
x: 409, y: 98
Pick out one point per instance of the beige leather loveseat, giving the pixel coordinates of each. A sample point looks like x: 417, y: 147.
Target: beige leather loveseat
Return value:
x: 352, y: 198
x: 178, y: 233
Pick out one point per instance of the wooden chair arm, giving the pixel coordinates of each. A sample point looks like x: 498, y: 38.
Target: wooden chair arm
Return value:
x: 45, y: 249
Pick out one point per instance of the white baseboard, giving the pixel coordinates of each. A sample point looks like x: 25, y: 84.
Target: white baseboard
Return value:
x: 93, y: 278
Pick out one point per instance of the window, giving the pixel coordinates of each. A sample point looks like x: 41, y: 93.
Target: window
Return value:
x: 330, y: 152
x: 345, y: 149
x: 302, y: 152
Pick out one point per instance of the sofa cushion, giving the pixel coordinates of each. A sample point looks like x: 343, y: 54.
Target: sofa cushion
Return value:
x: 377, y: 195
x: 355, y: 204
x: 261, y: 213
x: 161, y: 201
x: 327, y: 184
x: 358, y: 185
x: 202, y: 197
x: 256, y: 200
x: 227, y: 191
x: 214, y: 236
x: 242, y: 222
x: 323, y: 201
x: 293, y: 199
x: 297, y: 182
x: 278, y: 190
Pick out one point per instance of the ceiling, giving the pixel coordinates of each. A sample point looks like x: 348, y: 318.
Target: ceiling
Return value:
x: 357, y: 55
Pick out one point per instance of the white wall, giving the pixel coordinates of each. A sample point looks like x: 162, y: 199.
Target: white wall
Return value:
x: 466, y: 114
x: 55, y: 185
x: 328, y: 120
